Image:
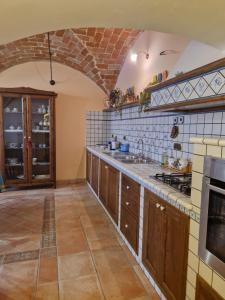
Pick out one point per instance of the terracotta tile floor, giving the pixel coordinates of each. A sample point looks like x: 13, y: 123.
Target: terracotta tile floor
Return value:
x: 59, y: 244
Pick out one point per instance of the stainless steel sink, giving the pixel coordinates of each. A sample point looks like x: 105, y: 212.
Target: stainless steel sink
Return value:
x: 128, y: 158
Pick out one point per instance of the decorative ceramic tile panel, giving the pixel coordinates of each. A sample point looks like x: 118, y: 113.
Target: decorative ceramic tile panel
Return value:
x: 205, y: 85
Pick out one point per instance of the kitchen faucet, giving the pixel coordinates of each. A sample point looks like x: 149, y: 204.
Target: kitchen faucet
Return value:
x: 142, y: 147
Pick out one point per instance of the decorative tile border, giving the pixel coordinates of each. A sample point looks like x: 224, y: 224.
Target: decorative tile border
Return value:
x: 21, y: 256
x: 205, y: 85
x: 49, y: 228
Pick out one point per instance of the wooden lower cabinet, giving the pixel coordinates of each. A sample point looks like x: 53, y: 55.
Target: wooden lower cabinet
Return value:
x: 109, y: 189
x: 129, y: 226
x: 205, y: 292
x: 88, y: 166
x: 94, y: 173
x: 130, y: 211
x: 165, y: 245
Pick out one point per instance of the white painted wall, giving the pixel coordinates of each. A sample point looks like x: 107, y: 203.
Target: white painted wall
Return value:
x: 139, y: 74
x: 195, y: 55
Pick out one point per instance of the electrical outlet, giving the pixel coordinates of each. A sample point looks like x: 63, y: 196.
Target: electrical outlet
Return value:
x: 175, y: 120
x: 181, y: 120
x: 177, y: 146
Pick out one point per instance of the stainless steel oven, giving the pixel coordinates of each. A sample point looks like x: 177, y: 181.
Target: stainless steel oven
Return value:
x: 212, y: 219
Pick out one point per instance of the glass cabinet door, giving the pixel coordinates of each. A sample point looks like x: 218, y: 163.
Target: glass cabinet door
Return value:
x: 40, y: 140
x: 14, y: 137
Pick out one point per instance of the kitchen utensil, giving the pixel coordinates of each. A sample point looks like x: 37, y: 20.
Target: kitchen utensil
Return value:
x: 174, y: 132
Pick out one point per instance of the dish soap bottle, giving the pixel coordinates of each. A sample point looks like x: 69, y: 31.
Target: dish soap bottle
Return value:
x: 124, y: 146
x: 165, y: 158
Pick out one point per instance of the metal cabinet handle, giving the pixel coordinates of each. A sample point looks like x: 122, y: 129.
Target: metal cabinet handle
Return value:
x: 127, y: 203
x: 24, y: 137
x: 126, y: 226
x: 127, y: 187
x: 106, y: 167
x: 157, y: 205
x: 162, y: 208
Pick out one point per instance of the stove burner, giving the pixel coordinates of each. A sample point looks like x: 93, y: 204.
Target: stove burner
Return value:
x: 179, y: 181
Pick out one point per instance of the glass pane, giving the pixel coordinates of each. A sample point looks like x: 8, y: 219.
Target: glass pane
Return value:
x: 40, y: 122
x: 215, y: 241
x: 13, y: 137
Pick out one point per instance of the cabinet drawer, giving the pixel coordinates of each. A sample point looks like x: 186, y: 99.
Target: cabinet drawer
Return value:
x: 131, y: 202
x: 130, y: 228
x: 130, y: 185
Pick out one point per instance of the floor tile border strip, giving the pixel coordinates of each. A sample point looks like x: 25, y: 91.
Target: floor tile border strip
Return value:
x: 21, y: 256
x: 49, y: 227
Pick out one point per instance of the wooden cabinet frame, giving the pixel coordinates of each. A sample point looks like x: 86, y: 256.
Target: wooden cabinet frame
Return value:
x: 26, y: 94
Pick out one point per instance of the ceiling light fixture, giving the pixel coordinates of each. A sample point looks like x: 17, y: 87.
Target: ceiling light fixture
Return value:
x: 168, y: 52
x: 52, y: 82
x: 134, y: 56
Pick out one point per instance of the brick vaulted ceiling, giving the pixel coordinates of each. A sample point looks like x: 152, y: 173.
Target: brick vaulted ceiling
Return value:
x: 99, y: 53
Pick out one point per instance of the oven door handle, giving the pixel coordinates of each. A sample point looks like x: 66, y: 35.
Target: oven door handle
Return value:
x: 216, y: 189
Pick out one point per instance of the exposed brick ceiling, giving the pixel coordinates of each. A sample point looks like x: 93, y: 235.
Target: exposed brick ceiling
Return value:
x: 99, y: 53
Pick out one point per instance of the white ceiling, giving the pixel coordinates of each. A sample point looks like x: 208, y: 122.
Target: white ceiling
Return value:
x: 201, y: 20
x: 37, y: 75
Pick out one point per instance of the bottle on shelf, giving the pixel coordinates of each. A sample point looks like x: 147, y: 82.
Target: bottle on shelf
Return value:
x: 124, y: 145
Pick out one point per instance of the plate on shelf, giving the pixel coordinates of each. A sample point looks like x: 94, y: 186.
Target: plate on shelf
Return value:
x: 42, y: 176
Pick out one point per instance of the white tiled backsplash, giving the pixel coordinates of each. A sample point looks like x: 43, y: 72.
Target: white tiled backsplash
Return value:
x: 154, y: 128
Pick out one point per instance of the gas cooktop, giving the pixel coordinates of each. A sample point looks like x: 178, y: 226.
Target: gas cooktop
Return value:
x: 179, y: 181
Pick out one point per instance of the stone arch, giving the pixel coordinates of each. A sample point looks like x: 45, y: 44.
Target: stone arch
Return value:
x: 98, y: 53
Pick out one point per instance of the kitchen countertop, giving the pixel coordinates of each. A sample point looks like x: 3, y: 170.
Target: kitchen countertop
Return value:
x: 141, y: 173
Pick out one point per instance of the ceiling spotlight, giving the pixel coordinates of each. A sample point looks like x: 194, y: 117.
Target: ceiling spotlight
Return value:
x: 134, y: 56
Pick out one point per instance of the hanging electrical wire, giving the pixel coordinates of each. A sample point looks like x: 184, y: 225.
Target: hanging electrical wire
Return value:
x: 52, y: 82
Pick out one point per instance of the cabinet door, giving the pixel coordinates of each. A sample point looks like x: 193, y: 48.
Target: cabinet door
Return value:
x: 205, y: 292
x: 130, y: 195
x: 129, y: 227
x: 103, y: 182
x: 94, y: 173
x: 113, y: 193
x: 13, y: 139
x: 88, y: 166
x: 154, y: 235
x: 175, y: 255
x: 41, y: 139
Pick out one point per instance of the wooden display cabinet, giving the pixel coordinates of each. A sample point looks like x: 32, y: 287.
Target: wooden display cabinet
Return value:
x: 27, y: 137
